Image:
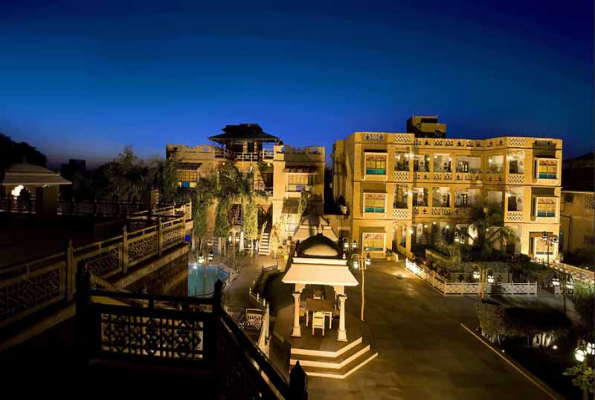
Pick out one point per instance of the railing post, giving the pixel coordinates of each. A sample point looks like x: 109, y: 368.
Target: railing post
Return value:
x: 125, y: 255
x: 159, y: 236
x: 82, y: 320
x: 94, y: 207
x: 217, y: 298
x: 298, y: 383
x: 70, y: 272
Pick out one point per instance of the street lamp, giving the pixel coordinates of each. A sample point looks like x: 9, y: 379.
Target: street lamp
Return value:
x: 581, y: 354
x: 483, y: 276
x: 201, y: 258
x: 357, y: 262
x: 549, y: 239
x: 567, y: 283
x: 211, y: 255
x: 354, y: 245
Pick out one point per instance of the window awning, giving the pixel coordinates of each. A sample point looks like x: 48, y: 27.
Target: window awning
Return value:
x: 184, y: 166
x: 301, y: 169
x: 373, y: 229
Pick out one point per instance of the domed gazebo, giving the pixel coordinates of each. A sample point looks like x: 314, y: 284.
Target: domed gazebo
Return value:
x: 319, y: 261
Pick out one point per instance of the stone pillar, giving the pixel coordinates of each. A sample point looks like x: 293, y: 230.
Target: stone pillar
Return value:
x: 296, y: 332
x: 342, y: 335
x: 241, y: 241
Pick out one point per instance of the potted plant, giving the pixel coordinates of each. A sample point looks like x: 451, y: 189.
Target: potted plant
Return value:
x: 389, y: 255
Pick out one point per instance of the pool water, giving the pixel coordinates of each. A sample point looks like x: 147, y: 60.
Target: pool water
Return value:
x: 201, y: 279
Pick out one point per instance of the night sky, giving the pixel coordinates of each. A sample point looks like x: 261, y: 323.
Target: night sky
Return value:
x: 81, y: 79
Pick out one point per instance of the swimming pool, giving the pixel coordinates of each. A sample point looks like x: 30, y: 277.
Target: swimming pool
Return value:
x: 201, y: 279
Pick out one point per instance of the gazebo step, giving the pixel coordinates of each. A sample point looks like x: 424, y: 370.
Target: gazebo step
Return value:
x: 331, y: 363
x: 325, y: 353
x: 343, y: 372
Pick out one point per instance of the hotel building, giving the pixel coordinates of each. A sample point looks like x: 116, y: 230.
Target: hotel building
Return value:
x: 400, y: 189
x: 281, y: 172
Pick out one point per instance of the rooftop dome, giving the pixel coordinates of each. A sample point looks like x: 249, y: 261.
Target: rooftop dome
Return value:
x: 319, y: 246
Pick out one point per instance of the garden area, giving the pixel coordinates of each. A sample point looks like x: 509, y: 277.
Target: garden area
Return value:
x: 544, y: 340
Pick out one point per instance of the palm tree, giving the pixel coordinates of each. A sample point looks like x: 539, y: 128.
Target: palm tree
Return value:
x: 488, y: 222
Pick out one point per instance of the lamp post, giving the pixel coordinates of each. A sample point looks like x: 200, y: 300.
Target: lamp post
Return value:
x: 567, y: 284
x: 483, y: 276
x: 549, y: 239
x: 581, y: 354
x: 359, y: 262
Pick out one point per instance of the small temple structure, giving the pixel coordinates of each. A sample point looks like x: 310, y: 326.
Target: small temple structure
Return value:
x: 320, y: 275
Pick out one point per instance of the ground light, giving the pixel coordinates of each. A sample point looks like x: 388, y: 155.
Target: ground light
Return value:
x: 201, y: 258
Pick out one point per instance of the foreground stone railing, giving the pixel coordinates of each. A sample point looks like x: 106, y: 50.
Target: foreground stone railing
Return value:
x: 28, y: 287
x: 462, y: 288
x: 192, y: 333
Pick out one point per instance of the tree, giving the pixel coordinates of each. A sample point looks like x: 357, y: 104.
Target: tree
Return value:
x: 303, y: 203
x: 583, y: 298
x: 221, y: 220
x: 205, y: 195
x: 12, y: 152
x: 488, y: 222
x: 250, y: 222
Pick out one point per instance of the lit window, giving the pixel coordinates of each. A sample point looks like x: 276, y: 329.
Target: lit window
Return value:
x: 374, y: 202
x: 547, y: 169
x: 546, y: 207
x: 374, y: 241
x: 375, y: 164
x: 401, y: 161
x: 297, y: 182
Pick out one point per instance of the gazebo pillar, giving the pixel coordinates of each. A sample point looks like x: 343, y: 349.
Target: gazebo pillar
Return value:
x: 296, y: 332
x: 342, y: 335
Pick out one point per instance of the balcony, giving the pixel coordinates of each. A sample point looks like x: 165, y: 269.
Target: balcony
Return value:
x: 517, y: 179
x: 402, y: 176
x: 441, y: 210
x: 421, y: 210
x: 514, y: 216
x: 462, y: 210
x: 401, y: 213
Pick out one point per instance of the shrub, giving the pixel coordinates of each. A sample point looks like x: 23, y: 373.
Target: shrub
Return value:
x: 491, y: 319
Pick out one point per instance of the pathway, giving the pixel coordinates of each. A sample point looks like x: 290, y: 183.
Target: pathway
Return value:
x: 424, y: 353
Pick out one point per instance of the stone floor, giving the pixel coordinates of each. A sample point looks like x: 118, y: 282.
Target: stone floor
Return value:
x: 424, y: 353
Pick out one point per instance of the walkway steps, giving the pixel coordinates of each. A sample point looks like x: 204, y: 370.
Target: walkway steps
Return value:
x: 336, y: 365
x: 264, y: 246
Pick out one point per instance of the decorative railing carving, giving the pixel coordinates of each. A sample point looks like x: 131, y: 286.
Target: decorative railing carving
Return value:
x: 402, y: 138
x: 514, y: 216
x: 401, y: 213
x: 516, y: 142
x: 34, y: 285
x: 516, y: 178
x: 402, y: 176
x: 199, y: 336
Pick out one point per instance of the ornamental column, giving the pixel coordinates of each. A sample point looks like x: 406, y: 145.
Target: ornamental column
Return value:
x: 342, y: 335
x: 296, y: 332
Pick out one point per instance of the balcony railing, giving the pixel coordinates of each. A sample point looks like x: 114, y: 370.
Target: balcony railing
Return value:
x: 514, y: 216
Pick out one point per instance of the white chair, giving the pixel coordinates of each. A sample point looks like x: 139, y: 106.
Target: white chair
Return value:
x: 318, y: 321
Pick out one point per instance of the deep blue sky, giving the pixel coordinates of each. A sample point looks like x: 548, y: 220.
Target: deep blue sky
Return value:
x: 81, y: 79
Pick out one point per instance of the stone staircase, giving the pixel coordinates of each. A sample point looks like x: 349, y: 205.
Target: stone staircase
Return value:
x: 264, y: 246
x: 333, y: 364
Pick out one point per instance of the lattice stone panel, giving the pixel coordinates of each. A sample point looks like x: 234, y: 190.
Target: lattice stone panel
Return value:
x: 402, y: 213
x: 516, y: 142
x: 153, y: 337
x: 448, y: 176
x: 446, y: 211
x: 374, y: 136
x: 516, y: 178
x: 171, y: 237
x: 435, y: 211
x: 104, y: 263
x: 514, y: 216
x: 402, y: 176
x: 437, y: 176
x: 402, y: 139
x: 143, y: 247
x: 23, y: 295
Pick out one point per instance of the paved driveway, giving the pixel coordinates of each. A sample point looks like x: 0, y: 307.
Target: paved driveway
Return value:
x: 424, y: 353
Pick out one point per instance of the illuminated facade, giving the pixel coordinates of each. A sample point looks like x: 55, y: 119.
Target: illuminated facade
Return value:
x: 281, y: 172
x: 401, y: 189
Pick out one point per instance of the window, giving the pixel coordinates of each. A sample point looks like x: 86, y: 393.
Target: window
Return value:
x: 401, y: 161
x: 547, y: 169
x: 420, y: 197
x: 463, y: 199
x: 297, y: 182
x: 546, y: 207
x: 469, y: 164
x: 374, y: 202
x: 495, y: 164
x: 421, y: 163
x: 542, y: 248
x: 375, y: 164
x: 442, y: 162
x: 401, y: 195
x: 373, y: 241
x: 187, y: 177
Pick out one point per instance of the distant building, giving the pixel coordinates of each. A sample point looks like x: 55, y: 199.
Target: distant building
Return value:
x: 578, y: 205
x: 73, y: 167
x: 280, y: 171
x: 401, y: 190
